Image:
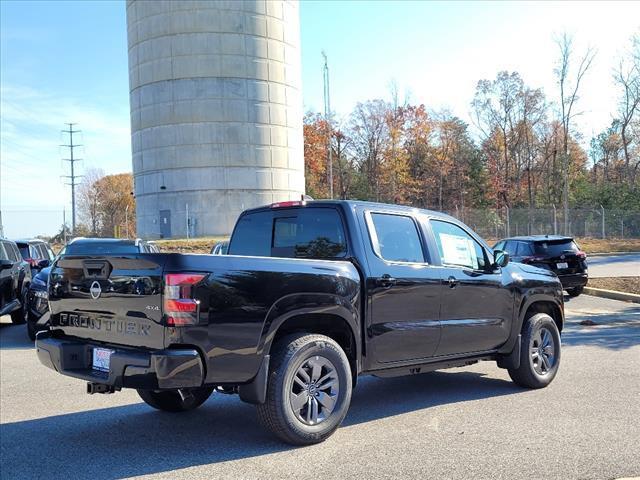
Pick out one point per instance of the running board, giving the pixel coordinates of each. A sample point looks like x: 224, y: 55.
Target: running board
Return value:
x: 431, y: 366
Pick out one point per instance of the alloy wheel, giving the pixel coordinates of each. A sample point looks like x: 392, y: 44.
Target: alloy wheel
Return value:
x: 543, y: 351
x: 314, y: 390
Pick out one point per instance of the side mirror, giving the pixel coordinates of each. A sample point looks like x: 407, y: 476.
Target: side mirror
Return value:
x: 501, y: 258
x: 5, y: 264
x: 43, y: 263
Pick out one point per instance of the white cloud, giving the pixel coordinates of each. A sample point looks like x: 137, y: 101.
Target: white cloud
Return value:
x: 32, y: 189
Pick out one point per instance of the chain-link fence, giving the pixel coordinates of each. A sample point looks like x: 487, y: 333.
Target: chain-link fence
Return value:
x: 581, y: 222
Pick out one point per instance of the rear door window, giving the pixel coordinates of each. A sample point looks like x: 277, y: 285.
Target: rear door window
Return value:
x: 309, y: 233
x: 555, y: 248
x: 396, y: 239
x: 99, y: 248
x: 291, y: 233
x: 252, y: 235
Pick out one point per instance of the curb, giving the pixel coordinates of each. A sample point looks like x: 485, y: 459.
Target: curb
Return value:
x: 606, y: 254
x: 612, y: 294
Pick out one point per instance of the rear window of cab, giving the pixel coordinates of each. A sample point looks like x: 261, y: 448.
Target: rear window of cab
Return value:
x: 292, y: 233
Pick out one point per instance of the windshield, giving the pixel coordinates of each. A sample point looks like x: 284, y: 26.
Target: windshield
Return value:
x: 555, y: 248
x: 100, y: 248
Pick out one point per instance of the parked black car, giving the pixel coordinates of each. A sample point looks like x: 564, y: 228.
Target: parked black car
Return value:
x: 351, y: 288
x: 15, y: 277
x: 556, y: 253
x: 37, y: 297
x: 37, y: 253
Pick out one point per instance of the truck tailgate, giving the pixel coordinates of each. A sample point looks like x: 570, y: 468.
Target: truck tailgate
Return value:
x: 111, y: 299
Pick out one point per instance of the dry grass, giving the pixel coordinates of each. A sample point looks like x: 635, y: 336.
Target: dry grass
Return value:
x: 618, y: 284
x: 599, y: 245
x: 195, y: 245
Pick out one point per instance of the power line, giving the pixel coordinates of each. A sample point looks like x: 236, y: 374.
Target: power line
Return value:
x: 73, y: 176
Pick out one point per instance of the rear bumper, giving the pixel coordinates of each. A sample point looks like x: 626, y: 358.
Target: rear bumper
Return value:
x: 129, y: 368
x: 574, y: 280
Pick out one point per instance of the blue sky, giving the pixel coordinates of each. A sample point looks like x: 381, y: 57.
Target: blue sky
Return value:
x: 67, y: 61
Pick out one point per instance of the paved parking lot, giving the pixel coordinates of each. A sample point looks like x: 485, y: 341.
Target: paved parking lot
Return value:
x: 614, y: 266
x: 462, y: 423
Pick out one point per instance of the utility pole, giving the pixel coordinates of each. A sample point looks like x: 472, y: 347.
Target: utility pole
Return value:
x: 73, y: 177
x: 64, y: 225
x: 327, y: 118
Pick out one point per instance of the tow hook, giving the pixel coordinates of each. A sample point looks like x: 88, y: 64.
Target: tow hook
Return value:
x: 99, y: 388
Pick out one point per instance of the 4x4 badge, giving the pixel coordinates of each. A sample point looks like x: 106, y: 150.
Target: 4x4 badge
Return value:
x: 95, y: 290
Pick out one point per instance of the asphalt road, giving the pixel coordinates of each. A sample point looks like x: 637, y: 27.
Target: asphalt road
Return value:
x: 614, y: 266
x: 460, y: 423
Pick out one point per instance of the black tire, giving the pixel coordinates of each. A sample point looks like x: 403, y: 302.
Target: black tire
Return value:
x: 537, y: 368
x: 171, y: 401
x: 575, y: 291
x: 20, y: 316
x: 289, y: 357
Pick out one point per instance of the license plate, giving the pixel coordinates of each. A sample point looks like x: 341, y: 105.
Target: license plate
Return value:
x: 562, y: 265
x: 101, y: 359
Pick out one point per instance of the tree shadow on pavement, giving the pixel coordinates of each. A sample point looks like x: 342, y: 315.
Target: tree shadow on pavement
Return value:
x: 136, y: 440
x: 608, y: 329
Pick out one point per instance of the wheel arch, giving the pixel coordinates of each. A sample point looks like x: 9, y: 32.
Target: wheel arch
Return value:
x: 329, y: 315
x: 542, y: 304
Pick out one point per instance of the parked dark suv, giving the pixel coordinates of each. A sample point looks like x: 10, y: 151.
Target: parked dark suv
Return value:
x: 37, y: 297
x: 559, y: 254
x: 37, y: 253
x: 15, y: 277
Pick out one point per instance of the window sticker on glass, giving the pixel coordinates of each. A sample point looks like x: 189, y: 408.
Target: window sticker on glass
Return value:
x: 457, y: 250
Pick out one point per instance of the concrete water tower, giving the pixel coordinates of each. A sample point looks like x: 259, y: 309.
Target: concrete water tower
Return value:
x: 216, y: 111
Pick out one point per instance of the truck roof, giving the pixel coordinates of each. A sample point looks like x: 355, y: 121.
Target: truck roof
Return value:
x: 349, y: 204
x: 539, y: 238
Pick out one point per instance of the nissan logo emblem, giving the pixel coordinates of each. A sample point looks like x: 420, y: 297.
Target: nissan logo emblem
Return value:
x: 95, y: 290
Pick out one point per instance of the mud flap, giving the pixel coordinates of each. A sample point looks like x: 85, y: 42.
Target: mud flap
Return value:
x: 512, y: 361
x: 256, y: 391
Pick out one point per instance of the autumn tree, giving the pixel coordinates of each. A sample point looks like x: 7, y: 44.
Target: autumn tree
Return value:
x: 107, y: 203
x: 569, y: 82
x: 89, y: 201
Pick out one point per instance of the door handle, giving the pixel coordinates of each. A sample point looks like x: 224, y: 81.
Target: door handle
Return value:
x: 452, y: 282
x: 386, y: 281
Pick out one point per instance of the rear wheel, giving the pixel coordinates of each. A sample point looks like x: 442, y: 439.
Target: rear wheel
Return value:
x: 20, y: 316
x: 172, y: 401
x: 575, y: 291
x: 539, y: 352
x: 309, y: 389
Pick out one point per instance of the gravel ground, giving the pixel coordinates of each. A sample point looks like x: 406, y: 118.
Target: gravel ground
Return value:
x: 460, y: 423
x: 619, y: 284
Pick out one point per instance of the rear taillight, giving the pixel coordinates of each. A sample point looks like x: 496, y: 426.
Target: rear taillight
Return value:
x: 180, y: 308
x: 32, y: 262
x: 581, y: 255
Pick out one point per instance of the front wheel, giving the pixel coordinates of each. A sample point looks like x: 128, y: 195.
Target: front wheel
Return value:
x: 309, y: 389
x: 173, y: 401
x: 539, y: 353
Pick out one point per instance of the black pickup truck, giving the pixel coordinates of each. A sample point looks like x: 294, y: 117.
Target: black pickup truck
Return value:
x: 310, y: 296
